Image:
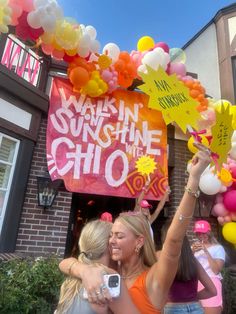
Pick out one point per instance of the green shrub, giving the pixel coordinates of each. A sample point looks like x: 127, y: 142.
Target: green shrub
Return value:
x: 29, y: 286
x: 229, y: 290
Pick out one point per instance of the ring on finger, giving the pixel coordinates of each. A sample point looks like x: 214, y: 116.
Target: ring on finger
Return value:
x: 103, y: 286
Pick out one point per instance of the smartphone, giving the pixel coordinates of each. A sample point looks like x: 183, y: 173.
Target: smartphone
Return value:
x: 112, y: 282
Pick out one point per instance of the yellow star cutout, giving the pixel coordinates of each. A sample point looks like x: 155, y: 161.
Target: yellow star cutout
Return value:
x: 145, y: 165
x: 222, y: 133
x: 171, y: 97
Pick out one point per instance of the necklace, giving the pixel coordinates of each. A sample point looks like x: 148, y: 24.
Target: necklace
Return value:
x: 132, y: 274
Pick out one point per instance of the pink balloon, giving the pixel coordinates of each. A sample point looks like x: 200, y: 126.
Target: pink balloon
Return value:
x: 47, y: 49
x: 227, y: 218
x: 106, y: 75
x: 230, y: 201
x: 233, y: 171
x: 219, y: 210
x: 219, y: 198
x: 58, y: 54
x: 162, y: 45
x: 233, y: 216
x: 178, y: 68
x: 27, y: 5
x: 221, y: 220
x: 187, y: 78
x: 16, y: 8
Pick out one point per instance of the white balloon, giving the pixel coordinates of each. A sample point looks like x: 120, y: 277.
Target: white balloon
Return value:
x: 95, y: 45
x: 33, y: 19
x: 210, y: 184
x: 233, y: 138
x: 85, y: 41
x: 142, y: 68
x: 165, y: 57
x: 58, y: 12
x: 232, y: 152
x: 93, y: 57
x: 208, y: 169
x: 83, y: 51
x: 91, y: 31
x: 156, y: 58
x: 48, y: 23
x: 112, y: 50
x: 40, y: 3
x: 152, y: 59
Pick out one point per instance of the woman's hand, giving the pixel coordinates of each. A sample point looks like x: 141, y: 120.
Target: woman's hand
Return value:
x: 93, y: 282
x: 200, y: 160
x: 197, y: 246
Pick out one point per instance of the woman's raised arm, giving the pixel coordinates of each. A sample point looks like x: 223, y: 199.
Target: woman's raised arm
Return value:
x: 163, y: 272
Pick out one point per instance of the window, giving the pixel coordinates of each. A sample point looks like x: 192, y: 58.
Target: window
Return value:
x: 8, y: 154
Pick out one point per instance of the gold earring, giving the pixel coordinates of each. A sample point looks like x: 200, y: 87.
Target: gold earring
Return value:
x: 137, y: 249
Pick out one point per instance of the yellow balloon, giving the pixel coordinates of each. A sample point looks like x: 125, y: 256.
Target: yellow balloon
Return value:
x: 145, y: 43
x: 47, y: 38
x: 225, y: 177
x: 191, y: 140
x: 72, y: 52
x: 229, y: 232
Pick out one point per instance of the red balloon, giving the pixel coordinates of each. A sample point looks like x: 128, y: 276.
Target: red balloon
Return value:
x: 230, y: 201
x: 24, y: 31
x: 68, y: 58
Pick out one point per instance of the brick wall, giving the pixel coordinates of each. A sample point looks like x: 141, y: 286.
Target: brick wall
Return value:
x: 42, y: 231
x: 177, y: 179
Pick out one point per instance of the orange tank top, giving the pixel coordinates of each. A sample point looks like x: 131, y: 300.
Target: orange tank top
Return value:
x: 140, y: 297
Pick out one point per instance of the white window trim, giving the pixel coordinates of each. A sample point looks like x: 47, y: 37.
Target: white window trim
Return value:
x: 10, y: 176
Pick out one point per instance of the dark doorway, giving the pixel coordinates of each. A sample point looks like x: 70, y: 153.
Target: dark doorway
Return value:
x: 86, y: 207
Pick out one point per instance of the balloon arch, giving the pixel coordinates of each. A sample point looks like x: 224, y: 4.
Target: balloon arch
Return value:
x: 97, y: 74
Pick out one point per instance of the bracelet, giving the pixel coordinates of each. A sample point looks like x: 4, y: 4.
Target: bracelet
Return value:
x: 195, y: 194
x: 70, y: 267
x: 182, y: 217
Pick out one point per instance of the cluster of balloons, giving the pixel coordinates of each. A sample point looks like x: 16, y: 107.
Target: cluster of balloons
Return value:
x: 95, y: 75
x: 89, y: 72
x: 197, y: 92
x: 222, y: 184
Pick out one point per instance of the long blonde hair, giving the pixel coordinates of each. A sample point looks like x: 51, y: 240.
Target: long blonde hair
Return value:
x: 93, y: 244
x: 138, y: 224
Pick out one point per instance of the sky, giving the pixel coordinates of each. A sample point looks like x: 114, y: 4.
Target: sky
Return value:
x: 124, y: 22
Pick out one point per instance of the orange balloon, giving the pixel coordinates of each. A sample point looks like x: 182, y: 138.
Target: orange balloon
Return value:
x: 124, y: 55
x: 79, y: 76
x: 204, y: 102
x: 194, y: 93
x: 200, y: 97
x: 189, y: 84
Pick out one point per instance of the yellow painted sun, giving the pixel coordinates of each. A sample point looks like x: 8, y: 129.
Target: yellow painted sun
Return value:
x: 146, y: 165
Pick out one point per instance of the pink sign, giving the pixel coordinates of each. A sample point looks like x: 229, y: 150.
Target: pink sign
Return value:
x: 93, y: 143
x: 22, y: 62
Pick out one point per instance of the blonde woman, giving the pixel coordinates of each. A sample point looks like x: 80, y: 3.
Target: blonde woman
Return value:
x: 93, y: 245
x: 132, y: 247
